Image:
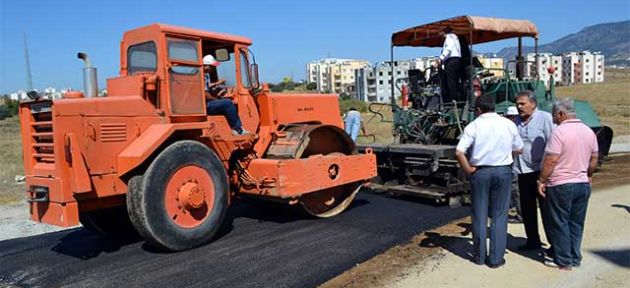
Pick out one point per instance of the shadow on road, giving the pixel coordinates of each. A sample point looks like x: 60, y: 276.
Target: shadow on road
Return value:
x: 514, y: 242
x: 626, y: 207
x: 83, y: 244
x: 620, y: 258
x: 462, y: 246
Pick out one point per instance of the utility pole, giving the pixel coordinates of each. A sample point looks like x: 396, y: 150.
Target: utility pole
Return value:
x: 29, y: 76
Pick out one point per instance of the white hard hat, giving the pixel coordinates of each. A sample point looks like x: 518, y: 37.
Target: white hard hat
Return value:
x: 511, y: 111
x: 209, y: 60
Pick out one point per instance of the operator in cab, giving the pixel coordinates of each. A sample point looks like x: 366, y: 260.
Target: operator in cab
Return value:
x: 215, y: 90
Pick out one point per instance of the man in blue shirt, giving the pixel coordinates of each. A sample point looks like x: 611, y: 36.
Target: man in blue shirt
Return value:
x: 534, y: 127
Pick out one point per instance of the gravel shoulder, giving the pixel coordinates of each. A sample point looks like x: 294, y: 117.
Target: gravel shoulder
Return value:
x: 15, y: 222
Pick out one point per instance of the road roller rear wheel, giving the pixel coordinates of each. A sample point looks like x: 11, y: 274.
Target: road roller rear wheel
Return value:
x: 182, y: 199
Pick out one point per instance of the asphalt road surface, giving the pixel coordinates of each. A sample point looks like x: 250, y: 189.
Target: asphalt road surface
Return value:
x: 261, y: 245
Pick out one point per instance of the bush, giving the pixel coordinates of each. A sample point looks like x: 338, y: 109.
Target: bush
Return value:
x: 4, y: 112
x: 345, y: 104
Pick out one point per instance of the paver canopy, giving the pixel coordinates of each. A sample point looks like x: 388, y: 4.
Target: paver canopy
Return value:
x: 475, y: 29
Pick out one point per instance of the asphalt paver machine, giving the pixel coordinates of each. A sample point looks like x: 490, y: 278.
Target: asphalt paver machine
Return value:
x: 421, y: 162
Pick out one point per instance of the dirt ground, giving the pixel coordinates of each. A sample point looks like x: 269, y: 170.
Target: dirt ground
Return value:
x: 439, y: 258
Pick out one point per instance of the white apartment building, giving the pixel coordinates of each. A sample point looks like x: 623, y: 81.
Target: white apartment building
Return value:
x: 334, y: 75
x: 374, y: 84
x: 582, y: 68
x: 48, y: 93
x: 19, y: 95
x: 545, y: 60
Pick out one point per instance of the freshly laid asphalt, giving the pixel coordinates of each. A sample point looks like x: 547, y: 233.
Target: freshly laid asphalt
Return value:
x: 261, y: 245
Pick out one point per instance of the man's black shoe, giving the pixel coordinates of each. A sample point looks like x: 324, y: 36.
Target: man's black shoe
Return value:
x: 529, y: 246
x: 497, y: 265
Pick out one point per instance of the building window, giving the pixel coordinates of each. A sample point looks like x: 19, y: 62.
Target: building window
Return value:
x: 380, y: 82
x: 380, y: 73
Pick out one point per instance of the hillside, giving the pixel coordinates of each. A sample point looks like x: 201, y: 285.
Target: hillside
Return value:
x: 612, y: 39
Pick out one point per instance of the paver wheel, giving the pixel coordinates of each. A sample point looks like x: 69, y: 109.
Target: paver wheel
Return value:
x: 181, y: 200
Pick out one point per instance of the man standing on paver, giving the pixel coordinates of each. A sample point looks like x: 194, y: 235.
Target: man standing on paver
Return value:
x: 570, y: 160
x: 490, y: 140
x: 534, y: 127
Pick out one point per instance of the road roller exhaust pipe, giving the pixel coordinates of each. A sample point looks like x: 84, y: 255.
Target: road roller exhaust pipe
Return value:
x: 90, y: 82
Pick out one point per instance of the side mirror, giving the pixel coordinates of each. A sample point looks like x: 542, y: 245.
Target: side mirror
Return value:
x: 222, y: 55
x: 253, y: 69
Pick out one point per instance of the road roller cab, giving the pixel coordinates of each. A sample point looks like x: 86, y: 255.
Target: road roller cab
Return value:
x: 147, y: 158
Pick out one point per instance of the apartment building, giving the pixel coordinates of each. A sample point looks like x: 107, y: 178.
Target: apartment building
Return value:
x: 545, y: 60
x: 374, y: 84
x: 582, y: 68
x: 494, y: 62
x: 333, y: 75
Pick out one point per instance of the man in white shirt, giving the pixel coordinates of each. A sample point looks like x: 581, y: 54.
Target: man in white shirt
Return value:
x: 450, y: 57
x: 489, y: 142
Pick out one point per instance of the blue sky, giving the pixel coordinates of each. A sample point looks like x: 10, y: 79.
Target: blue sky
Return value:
x: 286, y: 34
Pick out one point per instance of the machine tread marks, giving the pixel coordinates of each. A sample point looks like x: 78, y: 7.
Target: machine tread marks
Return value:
x: 146, y: 197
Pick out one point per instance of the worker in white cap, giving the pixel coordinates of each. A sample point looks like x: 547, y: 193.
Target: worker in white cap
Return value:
x: 511, y: 113
x: 514, y: 215
x: 215, y: 90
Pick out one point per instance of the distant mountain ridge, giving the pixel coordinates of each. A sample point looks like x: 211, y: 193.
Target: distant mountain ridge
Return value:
x: 612, y: 39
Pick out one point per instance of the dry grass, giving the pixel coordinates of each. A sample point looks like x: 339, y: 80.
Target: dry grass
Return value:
x: 10, y: 161
x: 375, y: 130
x: 610, y: 99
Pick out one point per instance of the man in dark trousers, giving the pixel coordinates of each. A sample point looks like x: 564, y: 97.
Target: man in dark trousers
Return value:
x: 534, y: 127
x: 216, y: 104
x: 564, y: 182
x: 450, y: 58
x: 490, y: 140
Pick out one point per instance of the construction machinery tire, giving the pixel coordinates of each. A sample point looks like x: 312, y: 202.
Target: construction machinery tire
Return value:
x: 111, y: 222
x: 181, y: 200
